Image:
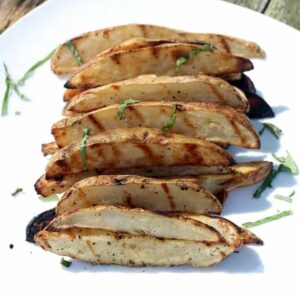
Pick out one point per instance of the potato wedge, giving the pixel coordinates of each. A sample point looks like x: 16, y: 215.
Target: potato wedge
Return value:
x: 199, y: 88
x: 214, y: 179
x: 212, y: 122
x: 136, y: 191
x: 136, y: 221
x: 108, y: 247
x: 159, y: 60
x: 105, y: 247
x: 59, y: 184
x: 92, y: 43
x: 136, y: 148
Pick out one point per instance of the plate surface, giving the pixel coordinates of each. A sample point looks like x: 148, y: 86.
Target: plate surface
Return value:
x: 252, y: 273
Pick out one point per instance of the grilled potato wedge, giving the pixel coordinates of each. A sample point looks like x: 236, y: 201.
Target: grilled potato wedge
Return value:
x: 59, y: 184
x: 136, y: 221
x: 138, y: 249
x: 193, y: 194
x: 136, y: 147
x: 218, y: 178
x: 199, y: 88
x: 207, y: 121
x: 158, y: 60
x: 105, y: 247
x: 92, y: 43
x: 136, y: 191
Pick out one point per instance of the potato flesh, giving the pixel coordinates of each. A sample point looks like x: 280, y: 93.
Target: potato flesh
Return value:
x: 47, y: 187
x: 135, y: 191
x: 104, y: 247
x: 136, y: 148
x: 93, y: 43
x: 159, y: 60
x: 136, y: 221
x: 200, y: 120
x: 199, y: 88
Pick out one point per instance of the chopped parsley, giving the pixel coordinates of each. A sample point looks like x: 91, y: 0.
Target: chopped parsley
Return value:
x: 31, y: 70
x: 288, y: 198
x: 183, y: 59
x: 82, y: 146
x: 53, y: 197
x: 271, y: 128
x: 6, y: 94
x: 17, y: 191
x: 171, y: 121
x: 123, y: 106
x: 13, y: 85
x: 287, y: 165
x: 268, y: 219
x: 74, y: 52
x: 65, y: 263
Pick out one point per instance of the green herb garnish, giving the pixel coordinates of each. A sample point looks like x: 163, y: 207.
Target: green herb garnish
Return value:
x: 268, y: 219
x: 31, y: 70
x: 288, y: 163
x: 74, y: 52
x: 82, y: 147
x: 123, y: 106
x: 171, y: 121
x: 288, y: 198
x: 271, y: 128
x: 65, y: 263
x: 13, y: 85
x: 6, y: 94
x: 17, y: 191
x: 53, y: 197
x: 183, y: 59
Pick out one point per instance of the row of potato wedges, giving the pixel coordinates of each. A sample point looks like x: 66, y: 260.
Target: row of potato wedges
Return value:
x: 143, y: 196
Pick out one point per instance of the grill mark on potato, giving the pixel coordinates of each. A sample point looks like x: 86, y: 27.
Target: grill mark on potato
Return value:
x: 192, y: 156
x: 96, y: 123
x: 155, y: 52
x: 136, y: 113
x: 106, y: 32
x: 215, y: 91
x: 143, y: 29
x: 225, y: 44
x: 147, y: 151
x: 169, y: 195
x: 176, y: 53
x: 128, y: 200
x: 115, y: 154
x: 115, y: 57
x: 115, y: 87
x: 237, y: 131
x: 187, y: 121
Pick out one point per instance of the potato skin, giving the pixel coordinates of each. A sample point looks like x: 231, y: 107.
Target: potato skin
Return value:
x: 137, y: 191
x: 208, y: 121
x: 136, y: 148
x: 92, y: 43
x: 159, y: 60
x: 201, y: 88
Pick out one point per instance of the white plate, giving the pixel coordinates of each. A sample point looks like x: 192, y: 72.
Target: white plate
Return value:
x: 28, y: 271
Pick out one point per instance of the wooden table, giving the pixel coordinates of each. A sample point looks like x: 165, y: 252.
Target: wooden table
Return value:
x: 287, y: 11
